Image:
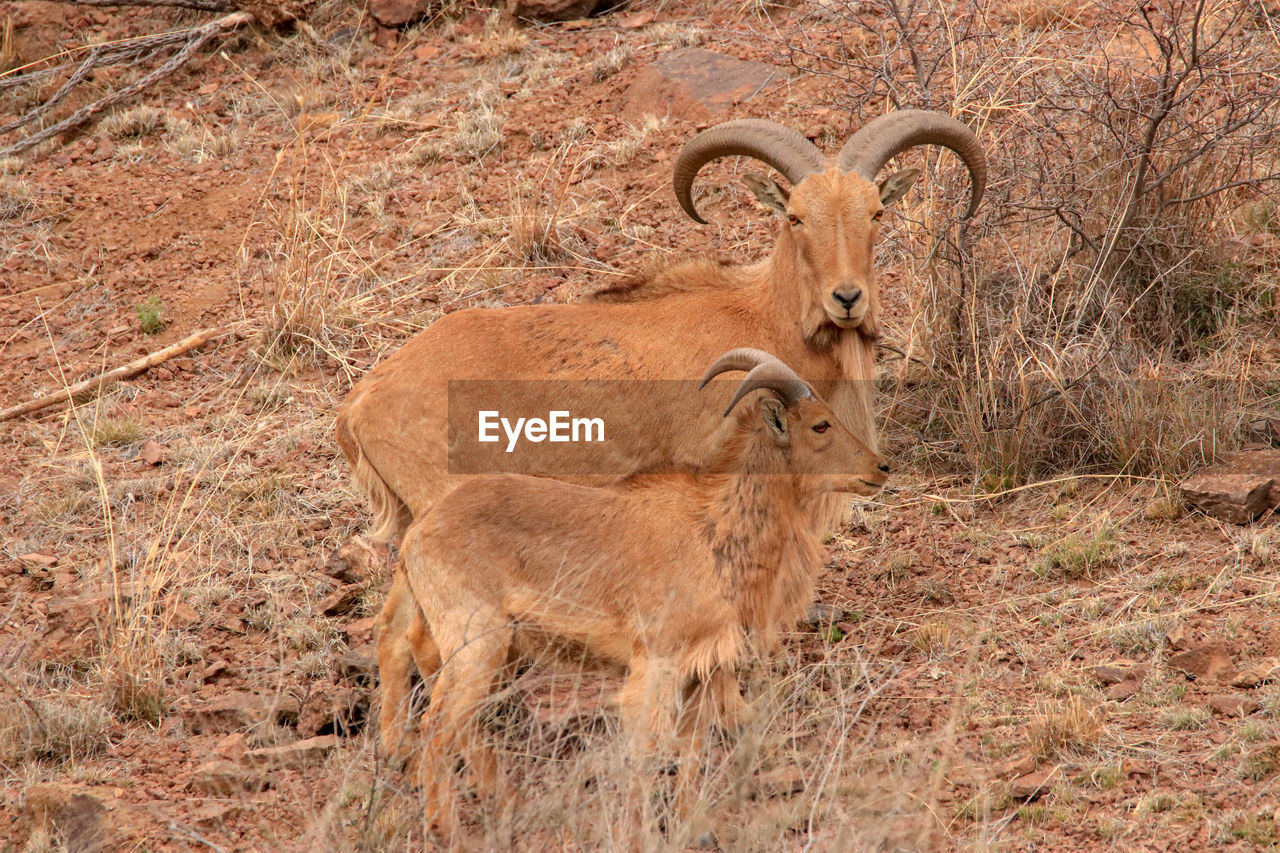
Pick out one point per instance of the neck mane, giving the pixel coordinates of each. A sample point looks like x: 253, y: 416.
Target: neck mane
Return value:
x: 766, y: 539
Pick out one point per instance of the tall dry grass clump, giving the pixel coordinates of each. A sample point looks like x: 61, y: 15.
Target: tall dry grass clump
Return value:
x: 313, y: 279
x: 1100, y: 310
x: 800, y: 773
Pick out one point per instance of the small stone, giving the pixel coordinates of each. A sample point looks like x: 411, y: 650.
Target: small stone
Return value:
x: 233, y: 711
x: 224, y: 778
x: 1123, y: 690
x: 214, y: 670
x: 342, y: 600
x: 1179, y: 637
x: 1258, y: 673
x: 821, y: 615
x: 38, y: 561
x: 1016, y: 767
x: 1033, y: 785
x: 1205, y: 662
x: 780, y: 782
x: 184, y: 615
x: 354, y: 562
x: 304, y: 752
x: 1233, y: 706
x: 232, y: 747
x: 361, y: 669
x: 693, y: 83
x: 360, y: 631
x: 1109, y: 674
x: 152, y: 453
x: 551, y: 10
x: 394, y: 13
x: 332, y: 709
x: 81, y: 817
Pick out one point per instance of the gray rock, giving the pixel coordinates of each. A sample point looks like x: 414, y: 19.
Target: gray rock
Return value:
x: 551, y: 10
x: 394, y: 13
x: 696, y: 83
x: 301, y: 754
x: 223, y: 778
x: 233, y: 711
x: 1239, y: 488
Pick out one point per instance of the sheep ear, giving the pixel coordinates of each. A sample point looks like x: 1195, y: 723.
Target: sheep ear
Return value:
x: 896, y: 185
x: 774, y: 414
x: 769, y: 193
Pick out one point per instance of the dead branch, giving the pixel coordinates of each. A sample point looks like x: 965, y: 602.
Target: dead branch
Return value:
x: 193, y: 40
x: 96, y: 384
x: 111, y: 53
x: 85, y: 69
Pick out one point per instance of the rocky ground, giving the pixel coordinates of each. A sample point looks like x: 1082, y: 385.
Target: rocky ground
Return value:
x: 185, y: 598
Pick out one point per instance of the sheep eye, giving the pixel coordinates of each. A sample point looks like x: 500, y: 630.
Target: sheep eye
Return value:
x: 875, y: 217
x: 822, y: 427
x: 793, y: 219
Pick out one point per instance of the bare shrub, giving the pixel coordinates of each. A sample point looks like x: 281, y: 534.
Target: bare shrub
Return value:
x: 1120, y: 145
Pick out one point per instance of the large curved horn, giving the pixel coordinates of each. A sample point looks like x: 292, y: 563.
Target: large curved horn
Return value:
x: 874, y: 144
x: 765, y: 371
x: 770, y: 143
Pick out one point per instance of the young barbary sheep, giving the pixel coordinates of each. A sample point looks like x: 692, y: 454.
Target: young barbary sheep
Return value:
x: 665, y: 575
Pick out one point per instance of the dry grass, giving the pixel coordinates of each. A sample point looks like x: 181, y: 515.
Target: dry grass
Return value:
x: 116, y: 431
x: 612, y: 61
x: 134, y: 123
x: 17, y: 198
x: 1065, y: 729
x: 1078, y: 555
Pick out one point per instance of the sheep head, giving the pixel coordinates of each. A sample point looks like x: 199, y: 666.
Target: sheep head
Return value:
x: 801, y: 427
x: 832, y: 207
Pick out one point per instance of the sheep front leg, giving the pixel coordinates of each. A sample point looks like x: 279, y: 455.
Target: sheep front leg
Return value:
x: 724, y: 701
x: 450, y: 726
x: 662, y: 718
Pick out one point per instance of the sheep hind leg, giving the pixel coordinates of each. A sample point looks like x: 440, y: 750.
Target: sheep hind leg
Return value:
x: 450, y: 726
x: 403, y: 640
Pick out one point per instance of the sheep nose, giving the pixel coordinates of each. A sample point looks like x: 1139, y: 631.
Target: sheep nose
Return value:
x: 848, y: 297
x: 883, y: 467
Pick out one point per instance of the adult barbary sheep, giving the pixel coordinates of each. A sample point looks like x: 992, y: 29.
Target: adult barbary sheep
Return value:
x: 666, y: 576
x: 812, y: 302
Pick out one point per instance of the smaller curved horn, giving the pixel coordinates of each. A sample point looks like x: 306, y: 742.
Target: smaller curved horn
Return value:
x: 770, y: 143
x: 876, y: 143
x: 766, y: 370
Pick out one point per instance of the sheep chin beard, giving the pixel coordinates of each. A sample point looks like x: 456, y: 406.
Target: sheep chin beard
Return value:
x: 825, y: 334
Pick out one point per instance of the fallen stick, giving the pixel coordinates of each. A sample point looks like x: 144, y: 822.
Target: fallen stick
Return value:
x: 133, y: 368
